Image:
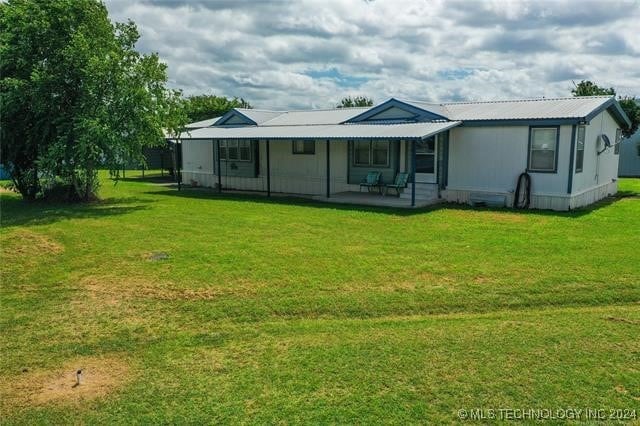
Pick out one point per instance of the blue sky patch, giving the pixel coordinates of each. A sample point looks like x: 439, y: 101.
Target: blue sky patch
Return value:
x: 455, y: 73
x: 339, y: 78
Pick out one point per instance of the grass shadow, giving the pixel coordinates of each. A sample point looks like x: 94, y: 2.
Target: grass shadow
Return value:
x: 211, y: 194
x: 155, y: 178
x: 17, y: 212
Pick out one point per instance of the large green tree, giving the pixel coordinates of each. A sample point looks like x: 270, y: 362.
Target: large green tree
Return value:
x: 356, y: 101
x: 628, y: 103
x: 76, y: 95
x: 202, y: 107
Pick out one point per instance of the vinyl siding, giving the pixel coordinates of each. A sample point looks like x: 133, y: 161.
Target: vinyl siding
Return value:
x: 602, y: 169
x: 197, y: 156
x: 490, y: 159
x: 290, y: 173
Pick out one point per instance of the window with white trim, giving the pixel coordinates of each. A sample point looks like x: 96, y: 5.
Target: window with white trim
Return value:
x: 235, y: 150
x: 580, y: 148
x: 542, y: 149
x: 380, y: 153
x: 371, y: 153
x: 616, y: 147
x: 426, y: 155
x: 304, y: 146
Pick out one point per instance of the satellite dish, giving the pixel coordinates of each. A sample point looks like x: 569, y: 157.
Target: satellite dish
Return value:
x: 605, y: 140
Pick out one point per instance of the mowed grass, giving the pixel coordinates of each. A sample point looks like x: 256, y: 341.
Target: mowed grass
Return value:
x: 193, y: 307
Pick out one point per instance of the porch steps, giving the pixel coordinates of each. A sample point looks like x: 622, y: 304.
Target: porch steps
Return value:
x: 424, y: 191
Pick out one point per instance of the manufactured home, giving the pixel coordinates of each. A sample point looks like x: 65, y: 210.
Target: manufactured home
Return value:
x: 557, y: 154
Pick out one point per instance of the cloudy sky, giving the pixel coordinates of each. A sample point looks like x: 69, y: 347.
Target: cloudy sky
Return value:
x: 301, y: 54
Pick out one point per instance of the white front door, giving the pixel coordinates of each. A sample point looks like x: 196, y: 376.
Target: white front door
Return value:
x: 426, y: 154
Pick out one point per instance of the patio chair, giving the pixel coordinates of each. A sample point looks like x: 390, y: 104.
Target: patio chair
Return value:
x: 399, y: 183
x: 371, y: 181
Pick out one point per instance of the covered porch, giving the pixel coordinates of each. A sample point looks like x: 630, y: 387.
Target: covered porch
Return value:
x: 328, y: 174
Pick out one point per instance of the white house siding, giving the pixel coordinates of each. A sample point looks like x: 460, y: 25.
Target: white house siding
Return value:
x: 489, y: 159
x: 290, y: 173
x: 197, y: 162
x: 599, y: 174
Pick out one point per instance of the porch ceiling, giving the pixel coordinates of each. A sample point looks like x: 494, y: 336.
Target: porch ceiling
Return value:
x: 336, y: 131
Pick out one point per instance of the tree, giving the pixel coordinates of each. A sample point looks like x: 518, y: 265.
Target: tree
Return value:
x: 628, y: 103
x: 588, y: 88
x: 202, y: 107
x: 356, y: 101
x: 76, y: 95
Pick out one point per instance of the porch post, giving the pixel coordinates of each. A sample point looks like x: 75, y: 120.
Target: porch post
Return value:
x: 218, y: 165
x: 268, y: 171
x: 413, y: 172
x: 328, y: 170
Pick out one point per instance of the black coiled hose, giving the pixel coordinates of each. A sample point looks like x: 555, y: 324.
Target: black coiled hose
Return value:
x: 522, y: 196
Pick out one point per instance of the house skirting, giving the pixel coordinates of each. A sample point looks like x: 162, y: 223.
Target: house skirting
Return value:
x: 316, y: 185
x: 560, y: 202
x: 589, y: 196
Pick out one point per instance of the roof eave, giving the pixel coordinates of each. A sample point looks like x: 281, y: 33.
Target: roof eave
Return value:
x: 522, y: 122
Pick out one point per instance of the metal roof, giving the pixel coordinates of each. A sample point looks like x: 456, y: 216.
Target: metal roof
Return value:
x: 429, y: 106
x: 203, y: 123
x: 316, y: 116
x: 259, y: 116
x: 522, y: 109
x: 329, y: 131
x: 330, y: 123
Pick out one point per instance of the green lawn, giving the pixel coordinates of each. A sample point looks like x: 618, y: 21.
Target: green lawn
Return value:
x: 278, y: 310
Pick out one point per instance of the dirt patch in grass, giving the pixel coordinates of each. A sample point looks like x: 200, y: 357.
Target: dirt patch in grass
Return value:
x: 155, y: 256
x: 624, y: 320
x: 421, y: 280
x: 24, y: 242
x: 506, y: 217
x: 113, y: 290
x: 481, y: 279
x: 100, y: 376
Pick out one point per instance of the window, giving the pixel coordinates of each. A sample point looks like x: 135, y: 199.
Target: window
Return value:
x: 426, y: 155
x: 543, y: 148
x: 306, y: 146
x: 245, y: 150
x: 361, y: 153
x: 379, y: 153
x: 616, y: 147
x: 371, y: 153
x: 235, y: 150
x: 580, y: 149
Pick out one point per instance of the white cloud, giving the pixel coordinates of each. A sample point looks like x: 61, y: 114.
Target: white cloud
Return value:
x: 276, y: 54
